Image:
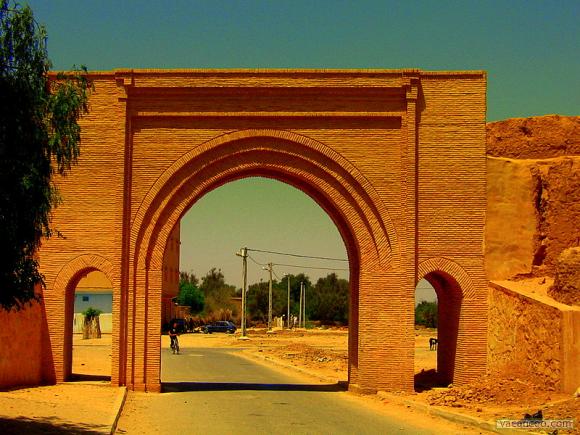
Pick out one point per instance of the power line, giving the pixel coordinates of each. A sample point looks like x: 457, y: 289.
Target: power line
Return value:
x: 259, y: 264
x: 297, y: 255
x: 308, y: 267
x: 275, y: 274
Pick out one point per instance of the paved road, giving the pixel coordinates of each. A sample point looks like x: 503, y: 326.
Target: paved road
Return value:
x: 214, y: 391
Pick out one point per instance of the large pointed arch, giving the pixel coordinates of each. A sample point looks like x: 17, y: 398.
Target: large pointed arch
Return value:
x: 332, y: 181
x: 295, y: 159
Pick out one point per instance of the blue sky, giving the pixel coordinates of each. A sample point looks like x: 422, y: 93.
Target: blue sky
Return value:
x: 530, y: 50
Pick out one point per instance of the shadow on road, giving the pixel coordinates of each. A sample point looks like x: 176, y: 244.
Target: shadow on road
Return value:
x: 427, y: 380
x: 50, y: 425
x: 77, y: 377
x: 174, y: 387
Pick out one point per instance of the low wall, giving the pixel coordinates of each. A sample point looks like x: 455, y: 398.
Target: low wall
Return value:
x: 531, y: 334
x: 105, y: 321
x: 21, y: 349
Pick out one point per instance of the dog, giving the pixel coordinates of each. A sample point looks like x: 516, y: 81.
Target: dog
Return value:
x: 433, y: 343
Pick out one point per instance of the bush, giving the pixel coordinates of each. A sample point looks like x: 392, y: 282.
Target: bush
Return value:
x: 91, y: 325
x: 90, y: 313
x: 426, y: 314
x: 191, y: 296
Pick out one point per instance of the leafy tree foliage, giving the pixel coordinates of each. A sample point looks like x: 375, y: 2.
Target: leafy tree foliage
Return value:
x: 258, y: 301
x: 328, y: 300
x: 91, y: 313
x: 188, y: 278
x: 91, y: 324
x: 218, y: 294
x: 191, y: 296
x: 295, y: 281
x: 39, y: 137
x: 426, y: 314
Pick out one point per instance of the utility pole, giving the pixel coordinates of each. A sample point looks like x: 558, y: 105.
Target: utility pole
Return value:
x: 304, y: 308
x: 244, y: 254
x: 269, y: 269
x: 288, y: 306
x: 300, y: 310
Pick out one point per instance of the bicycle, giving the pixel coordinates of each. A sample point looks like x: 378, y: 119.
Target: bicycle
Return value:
x: 175, y: 345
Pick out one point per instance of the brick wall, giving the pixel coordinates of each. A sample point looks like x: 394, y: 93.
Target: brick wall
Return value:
x: 396, y: 158
x: 21, y: 352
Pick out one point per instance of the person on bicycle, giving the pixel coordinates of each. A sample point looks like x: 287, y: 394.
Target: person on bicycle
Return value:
x: 173, y: 335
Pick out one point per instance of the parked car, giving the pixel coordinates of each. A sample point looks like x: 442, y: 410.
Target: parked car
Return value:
x: 181, y: 325
x: 221, y: 326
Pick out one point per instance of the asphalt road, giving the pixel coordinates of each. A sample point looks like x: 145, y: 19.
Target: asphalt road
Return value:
x: 214, y: 391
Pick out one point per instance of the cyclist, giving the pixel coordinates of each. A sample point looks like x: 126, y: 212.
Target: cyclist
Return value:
x: 173, y: 335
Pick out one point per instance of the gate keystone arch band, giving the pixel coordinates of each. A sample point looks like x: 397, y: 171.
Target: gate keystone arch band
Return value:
x: 395, y: 157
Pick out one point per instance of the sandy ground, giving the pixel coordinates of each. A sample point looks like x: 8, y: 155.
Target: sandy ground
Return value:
x: 92, y: 357
x: 71, y: 408
x: 75, y: 407
x: 321, y: 353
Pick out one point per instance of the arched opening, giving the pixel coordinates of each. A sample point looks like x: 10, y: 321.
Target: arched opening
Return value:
x: 254, y: 212
x: 89, y: 326
x: 448, y: 305
x: 332, y: 182
x: 426, y: 316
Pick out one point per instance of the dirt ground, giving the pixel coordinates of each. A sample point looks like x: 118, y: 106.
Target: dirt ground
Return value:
x: 323, y: 353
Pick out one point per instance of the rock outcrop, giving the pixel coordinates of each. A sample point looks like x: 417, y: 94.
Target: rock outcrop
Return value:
x: 533, y: 194
x: 539, y: 137
x: 566, y: 288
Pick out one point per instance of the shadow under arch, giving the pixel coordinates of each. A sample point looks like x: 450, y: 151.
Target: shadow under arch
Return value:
x: 63, y: 290
x: 330, y: 180
x: 453, y: 286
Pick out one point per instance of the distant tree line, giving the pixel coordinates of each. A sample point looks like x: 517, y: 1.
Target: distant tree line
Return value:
x: 212, y: 298
x: 326, y: 301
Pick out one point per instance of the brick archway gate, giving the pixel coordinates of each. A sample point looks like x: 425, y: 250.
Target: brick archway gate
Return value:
x: 396, y: 158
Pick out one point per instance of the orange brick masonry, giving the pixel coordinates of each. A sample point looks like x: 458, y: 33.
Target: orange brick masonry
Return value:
x: 395, y: 157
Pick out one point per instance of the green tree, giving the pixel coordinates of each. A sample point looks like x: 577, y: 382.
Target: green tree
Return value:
x: 39, y: 137
x: 188, y: 277
x: 295, y: 281
x: 426, y: 314
x: 91, y: 324
x: 258, y: 301
x: 328, y: 300
x: 191, y: 296
x: 258, y: 297
x: 218, y: 294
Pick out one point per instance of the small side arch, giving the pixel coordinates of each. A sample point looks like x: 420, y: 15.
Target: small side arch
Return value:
x: 450, y: 268
x: 453, y: 287
x: 61, y: 298
x: 82, y: 264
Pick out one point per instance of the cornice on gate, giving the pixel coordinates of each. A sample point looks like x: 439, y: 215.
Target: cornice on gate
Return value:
x: 136, y: 80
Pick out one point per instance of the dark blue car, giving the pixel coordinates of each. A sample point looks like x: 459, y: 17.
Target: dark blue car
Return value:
x: 221, y: 326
